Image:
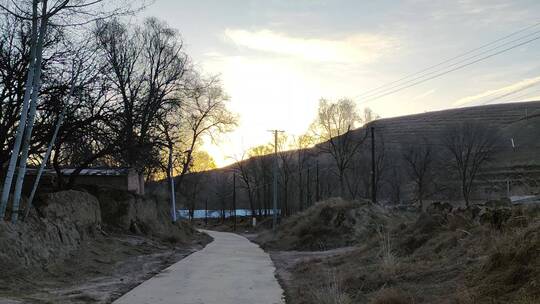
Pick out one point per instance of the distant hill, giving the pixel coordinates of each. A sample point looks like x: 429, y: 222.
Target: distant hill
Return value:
x: 520, y: 164
x: 430, y: 124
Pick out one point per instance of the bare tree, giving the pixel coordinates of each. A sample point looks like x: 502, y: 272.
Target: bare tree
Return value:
x: 333, y: 127
x: 146, y: 68
x: 471, y: 145
x: 42, y: 14
x: 418, y: 159
x: 223, y: 191
x: 203, y: 114
x: 395, y: 179
x: 242, y: 168
x: 302, y: 144
x: 260, y: 168
x: 286, y: 171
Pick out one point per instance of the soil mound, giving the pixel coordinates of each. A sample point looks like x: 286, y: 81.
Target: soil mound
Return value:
x: 145, y: 215
x: 326, y: 225
x: 63, y: 221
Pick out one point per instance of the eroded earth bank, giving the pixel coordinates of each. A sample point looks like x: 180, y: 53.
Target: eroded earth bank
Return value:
x: 89, y: 246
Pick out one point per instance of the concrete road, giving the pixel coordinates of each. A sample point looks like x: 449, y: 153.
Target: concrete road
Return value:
x: 230, y: 270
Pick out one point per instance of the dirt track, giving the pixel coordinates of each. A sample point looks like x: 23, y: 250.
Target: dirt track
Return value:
x: 101, y: 271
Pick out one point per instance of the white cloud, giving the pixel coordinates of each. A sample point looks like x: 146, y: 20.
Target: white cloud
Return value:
x: 424, y: 94
x: 523, y: 84
x: 359, y: 48
x: 213, y: 54
x: 532, y: 98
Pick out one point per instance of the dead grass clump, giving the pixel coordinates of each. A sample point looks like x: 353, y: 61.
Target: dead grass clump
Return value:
x: 331, y: 292
x: 464, y: 296
x: 526, y: 299
x: 334, y: 222
x: 389, y: 261
x: 419, y: 232
x: 391, y: 296
x: 512, y: 268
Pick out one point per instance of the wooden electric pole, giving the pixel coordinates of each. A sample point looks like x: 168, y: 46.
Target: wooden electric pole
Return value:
x: 308, y: 189
x: 373, y: 167
x: 234, y: 202
x: 206, y: 213
x: 317, y: 190
x: 171, y: 183
x: 275, y: 194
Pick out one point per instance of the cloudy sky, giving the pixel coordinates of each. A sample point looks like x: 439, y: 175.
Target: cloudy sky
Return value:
x: 277, y: 58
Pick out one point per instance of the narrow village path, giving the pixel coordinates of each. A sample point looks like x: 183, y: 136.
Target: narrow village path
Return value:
x: 230, y: 270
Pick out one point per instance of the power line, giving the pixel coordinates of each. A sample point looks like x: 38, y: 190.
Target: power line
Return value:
x: 494, y: 93
x: 448, y: 60
x: 511, y: 93
x: 527, y: 93
x: 451, y: 70
x: 451, y: 65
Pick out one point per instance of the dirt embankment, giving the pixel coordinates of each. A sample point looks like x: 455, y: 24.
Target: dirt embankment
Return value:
x: 79, y: 248
x: 330, y: 224
x: 464, y: 256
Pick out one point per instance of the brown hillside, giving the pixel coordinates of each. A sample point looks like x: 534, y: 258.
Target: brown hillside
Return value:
x: 519, y: 121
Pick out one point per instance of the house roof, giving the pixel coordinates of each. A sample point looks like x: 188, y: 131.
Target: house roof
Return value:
x: 106, y: 171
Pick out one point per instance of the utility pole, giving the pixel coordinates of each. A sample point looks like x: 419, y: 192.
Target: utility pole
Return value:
x: 317, y: 191
x: 308, y: 189
x: 171, y: 181
x: 206, y: 213
x: 274, y: 207
x: 373, y: 186
x: 234, y: 201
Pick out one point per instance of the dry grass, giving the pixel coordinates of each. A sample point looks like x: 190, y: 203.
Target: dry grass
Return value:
x: 464, y: 296
x: 527, y: 299
x: 432, y: 259
x: 331, y: 292
x: 334, y: 222
x: 391, y: 296
x: 389, y: 260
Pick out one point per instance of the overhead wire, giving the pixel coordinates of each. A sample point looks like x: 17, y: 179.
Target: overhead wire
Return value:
x: 449, y: 71
x: 453, y: 64
x: 363, y: 94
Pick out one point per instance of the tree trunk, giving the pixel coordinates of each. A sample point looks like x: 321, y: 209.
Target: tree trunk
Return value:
x: 341, y: 184
x: 56, y: 166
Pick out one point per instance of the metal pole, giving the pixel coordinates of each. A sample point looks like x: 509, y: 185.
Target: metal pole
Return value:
x: 59, y: 122
x: 171, y: 180
x: 317, y: 191
x: 274, y: 209
x: 44, y: 162
x: 234, y: 202
x: 206, y: 212
x: 8, y: 181
x: 308, y: 188
x: 275, y: 196
x: 373, y: 186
